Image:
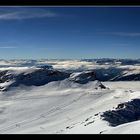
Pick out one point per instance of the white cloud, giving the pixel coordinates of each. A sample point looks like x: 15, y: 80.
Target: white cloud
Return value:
x: 74, y: 64
x: 8, y: 47
x: 127, y: 34
x: 27, y: 13
x: 122, y: 34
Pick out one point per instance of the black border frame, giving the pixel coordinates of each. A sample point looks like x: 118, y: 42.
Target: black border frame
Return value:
x: 69, y: 2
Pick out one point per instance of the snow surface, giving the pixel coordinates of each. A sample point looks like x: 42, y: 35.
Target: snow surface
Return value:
x: 64, y: 107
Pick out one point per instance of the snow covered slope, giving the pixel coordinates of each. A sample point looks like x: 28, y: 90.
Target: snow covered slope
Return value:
x: 63, y: 107
x: 67, y: 97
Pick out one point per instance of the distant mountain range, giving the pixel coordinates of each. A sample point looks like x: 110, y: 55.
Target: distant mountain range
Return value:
x: 41, y: 72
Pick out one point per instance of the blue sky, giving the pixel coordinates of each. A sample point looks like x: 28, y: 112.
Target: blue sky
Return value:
x: 69, y: 32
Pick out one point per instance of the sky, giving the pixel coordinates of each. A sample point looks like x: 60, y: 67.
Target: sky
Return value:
x: 69, y: 32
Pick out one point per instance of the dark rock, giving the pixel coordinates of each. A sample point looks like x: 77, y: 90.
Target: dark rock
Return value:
x: 37, y: 78
x: 123, y: 113
x: 83, y: 77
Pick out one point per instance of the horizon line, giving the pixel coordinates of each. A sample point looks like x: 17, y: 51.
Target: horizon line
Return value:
x: 67, y: 58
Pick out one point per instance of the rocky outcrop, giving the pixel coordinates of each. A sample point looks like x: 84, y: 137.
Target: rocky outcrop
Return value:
x: 37, y: 78
x: 5, y: 76
x: 82, y: 77
x: 131, y: 77
x: 123, y: 113
x: 99, y: 85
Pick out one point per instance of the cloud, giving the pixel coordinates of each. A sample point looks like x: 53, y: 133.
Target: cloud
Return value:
x: 25, y: 13
x: 132, y: 34
x: 127, y: 34
x: 73, y: 64
x: 120, y: 44
x: 8, y: 47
